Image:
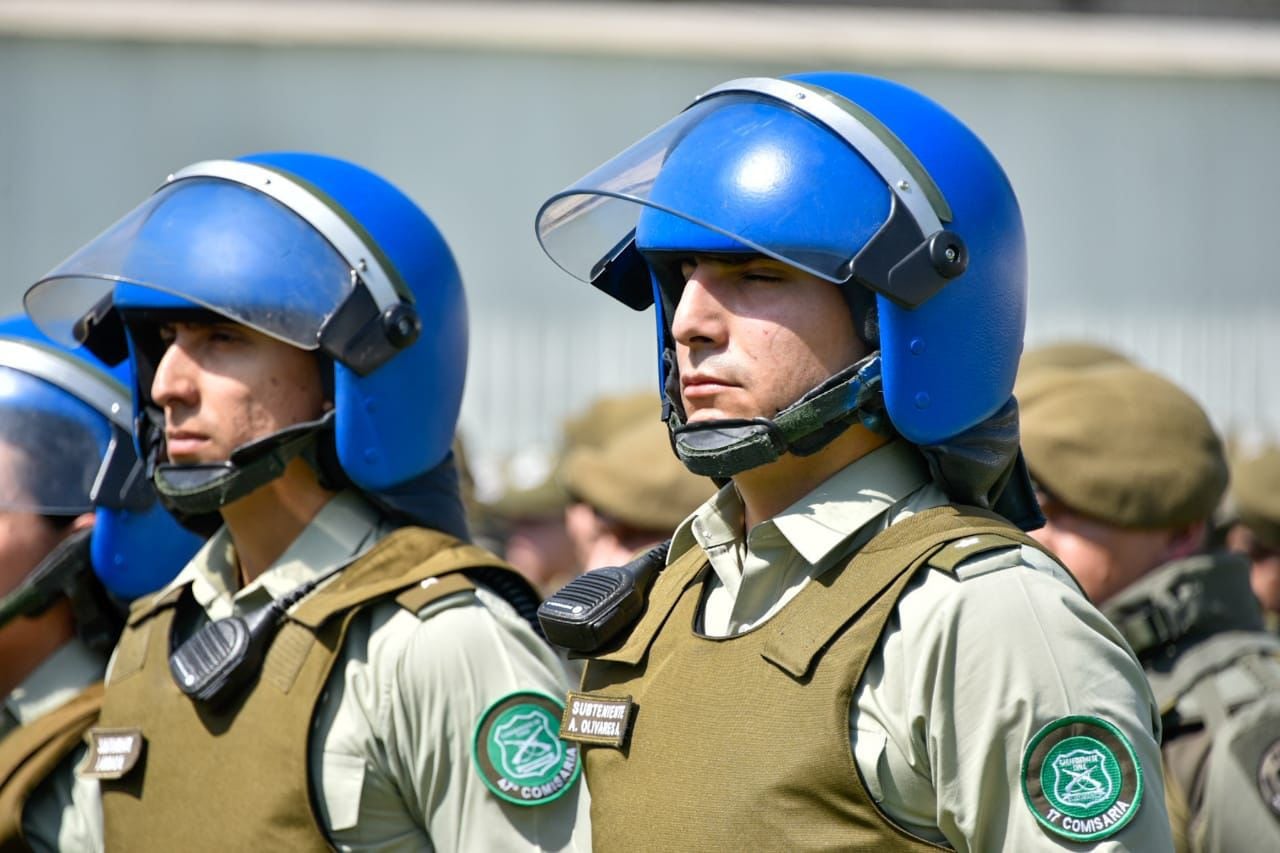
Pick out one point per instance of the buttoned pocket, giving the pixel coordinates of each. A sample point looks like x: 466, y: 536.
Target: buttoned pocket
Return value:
x: 341, y: 781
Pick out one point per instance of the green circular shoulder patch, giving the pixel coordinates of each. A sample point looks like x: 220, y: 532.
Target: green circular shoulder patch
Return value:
x: 1081, y: 778
x: 518, y: 752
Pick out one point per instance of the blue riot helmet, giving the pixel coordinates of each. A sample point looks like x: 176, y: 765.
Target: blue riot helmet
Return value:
x: 314, y: 251
x: 857, y: 180
x: 66, y: 450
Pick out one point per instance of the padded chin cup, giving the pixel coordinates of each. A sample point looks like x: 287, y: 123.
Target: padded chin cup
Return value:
x: 723, y: 448
x: 202, y: 489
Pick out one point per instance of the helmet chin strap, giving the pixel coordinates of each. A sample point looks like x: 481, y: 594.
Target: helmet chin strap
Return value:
x: 724, y: 447
x: 204, y: 488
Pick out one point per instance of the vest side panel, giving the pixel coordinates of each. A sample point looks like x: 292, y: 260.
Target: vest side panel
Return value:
x: 29, y: 754
x: 710, y: 715
x: 240, y: 776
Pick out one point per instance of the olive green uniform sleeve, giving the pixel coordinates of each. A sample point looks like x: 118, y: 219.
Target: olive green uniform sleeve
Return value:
x: 391, y: 755
x: 975, y: 666
x: 969, y: 669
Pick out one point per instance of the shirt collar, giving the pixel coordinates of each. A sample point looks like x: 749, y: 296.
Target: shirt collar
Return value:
x: 57, y: 680
x: 818, y: 524
x: 716, y: 522
x: 344, y: 529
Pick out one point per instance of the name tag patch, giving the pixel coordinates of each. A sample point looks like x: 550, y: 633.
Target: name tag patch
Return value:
x: 1081, y: 778
x: 112, y: 753
x: 518, y: 754
x: 600, y: 720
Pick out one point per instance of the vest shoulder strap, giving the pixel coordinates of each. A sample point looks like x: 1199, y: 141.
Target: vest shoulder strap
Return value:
x: 411, y: 565
x: 402, y: 562
x: 29, y: 754
x: 906, y: 544
x: 149, y: 605
x: 944, y: 535
x: 950, y: 556
x: 432, y: 589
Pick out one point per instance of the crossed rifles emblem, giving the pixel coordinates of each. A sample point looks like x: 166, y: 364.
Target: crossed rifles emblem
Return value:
x: 529, y: 745
x: 1084, y: 772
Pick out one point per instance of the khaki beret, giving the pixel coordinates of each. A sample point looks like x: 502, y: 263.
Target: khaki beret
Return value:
x: 608, y: 416
x: 636, y: 479
x: 1255, y: 491
x: 1070, y: 354
x: 1032, y: 384
x: 542, y: 502
x: 1040, y: 367
x: 1124, y: 445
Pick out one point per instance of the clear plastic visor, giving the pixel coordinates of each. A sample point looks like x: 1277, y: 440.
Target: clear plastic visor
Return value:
x: 221, y: 245
x: 585, y: 226
x: 51, y: 447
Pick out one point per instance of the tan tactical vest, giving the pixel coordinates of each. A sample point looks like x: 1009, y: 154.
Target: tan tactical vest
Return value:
x: 29, y: 754
x: 238, y: 779
x: 743, y: 742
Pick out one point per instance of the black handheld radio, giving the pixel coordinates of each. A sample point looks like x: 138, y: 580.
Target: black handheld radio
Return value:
x: 592, y: 609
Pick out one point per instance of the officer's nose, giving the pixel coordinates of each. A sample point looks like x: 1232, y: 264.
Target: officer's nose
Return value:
x: 699, y: 320
x: 174, y: 382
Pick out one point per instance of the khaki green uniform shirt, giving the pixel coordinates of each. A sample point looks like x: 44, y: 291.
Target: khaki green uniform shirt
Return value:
x: 54, y: 818
x: 390, y: 757
x: 1017, y: 644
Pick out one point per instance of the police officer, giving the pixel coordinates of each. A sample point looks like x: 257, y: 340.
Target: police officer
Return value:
x: 337, y: 667
x: 1255, y: 527
x: 628, y: 494
x: 1130, y: 472
x: 848, y: 647
x: 79, y: 530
